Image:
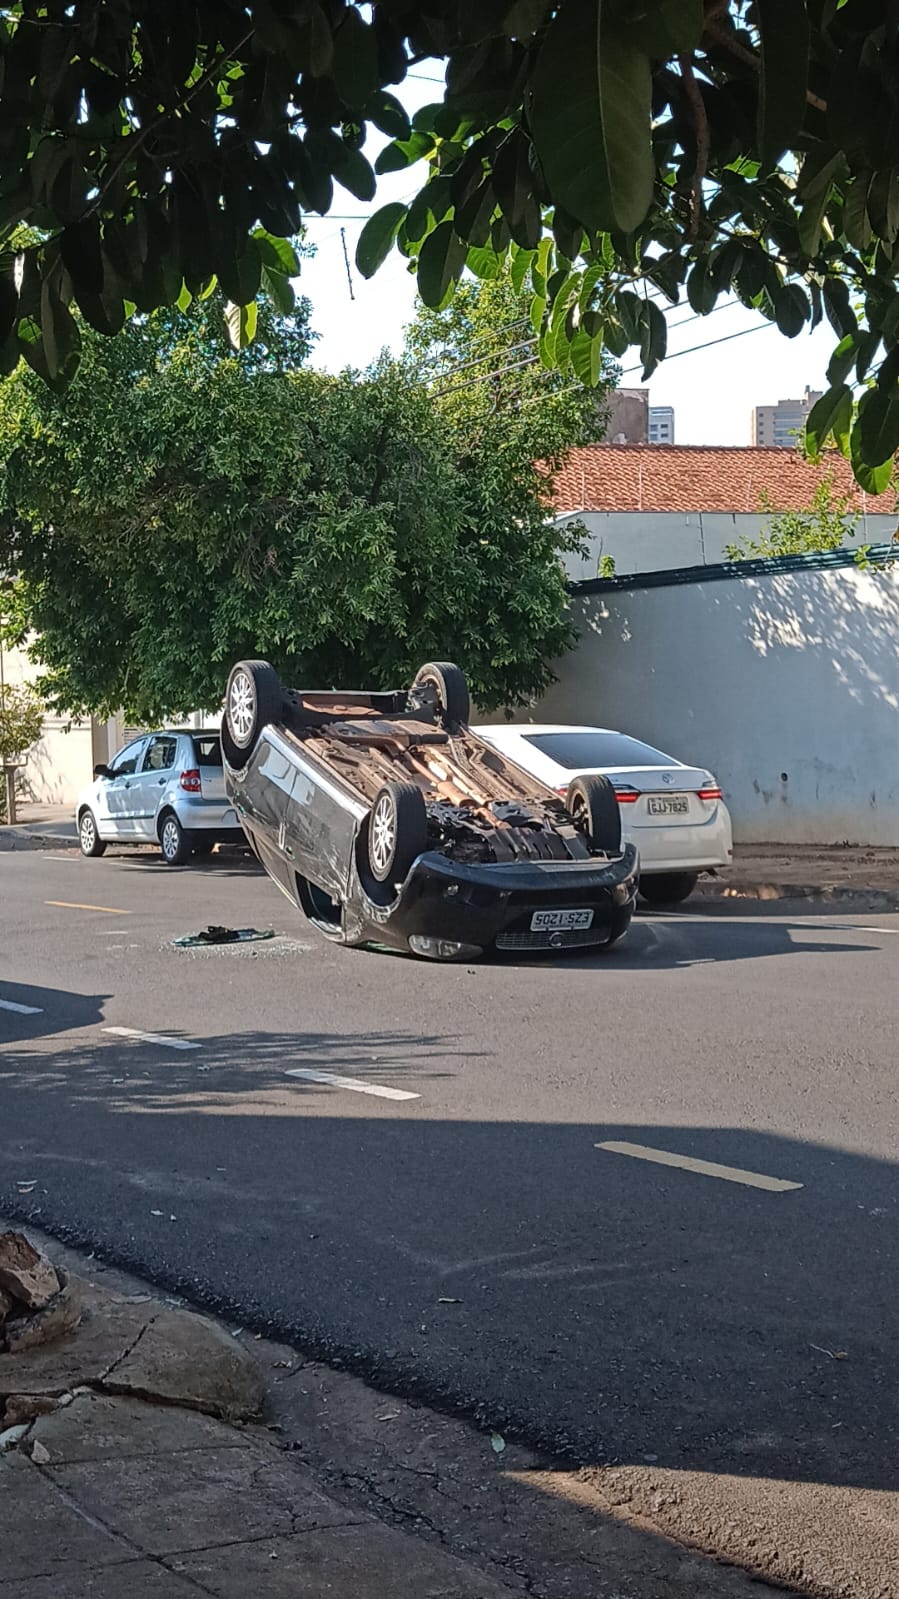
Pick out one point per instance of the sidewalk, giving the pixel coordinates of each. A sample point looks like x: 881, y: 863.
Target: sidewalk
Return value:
x: 121, y: 1492
x: 810, y: 871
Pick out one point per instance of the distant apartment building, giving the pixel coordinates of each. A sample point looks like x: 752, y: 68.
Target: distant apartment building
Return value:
x: 661, y: 424
x: 780, y: 424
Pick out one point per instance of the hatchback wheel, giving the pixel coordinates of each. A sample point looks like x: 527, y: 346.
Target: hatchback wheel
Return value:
x: 397, y: 831
x: 172, y: 842
x: 88, y: 837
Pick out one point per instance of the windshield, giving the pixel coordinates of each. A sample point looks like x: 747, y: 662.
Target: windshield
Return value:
x: 577, y: 750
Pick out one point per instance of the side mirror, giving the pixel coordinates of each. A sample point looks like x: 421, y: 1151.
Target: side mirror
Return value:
x: 101, y: 771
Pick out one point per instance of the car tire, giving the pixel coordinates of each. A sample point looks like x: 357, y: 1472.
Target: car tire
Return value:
x: 173, y: 841
x: 592, y: 804
x: 397, y: 831
x: 667, y: 888
x: 253, y: 697
x: 445, y: 683
x: 88, y: 837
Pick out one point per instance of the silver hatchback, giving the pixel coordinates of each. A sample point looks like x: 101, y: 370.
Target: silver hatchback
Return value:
x: 165, y: 787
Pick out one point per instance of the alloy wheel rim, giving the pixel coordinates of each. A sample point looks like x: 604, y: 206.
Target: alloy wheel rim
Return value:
x: 87, y: 832
x: 242, y: 707
x: 383, y: 834
x: 170, y: 839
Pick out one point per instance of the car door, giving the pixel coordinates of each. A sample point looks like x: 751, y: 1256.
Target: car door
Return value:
x: 153, y: 776
x: 115, y: 802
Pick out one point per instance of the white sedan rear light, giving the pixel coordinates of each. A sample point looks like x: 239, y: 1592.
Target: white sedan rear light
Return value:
x: 710, y: 794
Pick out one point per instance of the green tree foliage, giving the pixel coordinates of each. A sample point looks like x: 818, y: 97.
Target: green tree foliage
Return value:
x: 699, y: 147
x: 175, y: 510
x: 21, y: 721
x: 826, y: 525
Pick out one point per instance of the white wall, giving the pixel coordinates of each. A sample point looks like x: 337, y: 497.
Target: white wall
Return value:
x: 786, y: 686
x: 656, y: 541
x: 60, y: 764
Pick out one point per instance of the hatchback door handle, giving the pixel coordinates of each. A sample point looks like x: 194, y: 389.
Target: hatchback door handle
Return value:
x: 162, y: 782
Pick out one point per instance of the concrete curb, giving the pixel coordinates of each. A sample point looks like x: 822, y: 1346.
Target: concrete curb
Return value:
x: 19, y: 838
x: 824, y: 893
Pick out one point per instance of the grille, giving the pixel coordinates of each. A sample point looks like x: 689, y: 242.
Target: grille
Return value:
x: 524, y: 938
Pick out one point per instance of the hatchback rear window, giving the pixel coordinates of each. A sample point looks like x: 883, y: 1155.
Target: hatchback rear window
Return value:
x: 209, y: 751
x: 577, y: 750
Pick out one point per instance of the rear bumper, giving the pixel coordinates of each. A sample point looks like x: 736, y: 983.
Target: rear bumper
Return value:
x: 477, y: 906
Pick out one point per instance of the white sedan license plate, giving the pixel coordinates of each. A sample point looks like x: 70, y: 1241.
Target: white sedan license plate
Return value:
x: 669, y: 805
x: 560, y: 921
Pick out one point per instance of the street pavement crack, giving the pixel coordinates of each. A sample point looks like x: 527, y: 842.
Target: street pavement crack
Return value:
x: 129, y: 1350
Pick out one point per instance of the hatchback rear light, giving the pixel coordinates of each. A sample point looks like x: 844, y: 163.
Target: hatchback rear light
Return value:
x: 710, y: 794
x: 190, y: 781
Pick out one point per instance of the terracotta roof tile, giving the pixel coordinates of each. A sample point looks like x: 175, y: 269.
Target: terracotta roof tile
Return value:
x: 688, y: 477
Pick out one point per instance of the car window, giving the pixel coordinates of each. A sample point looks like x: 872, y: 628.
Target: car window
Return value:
x: 125, y: 763
x: 160, y: 756
x: 208, y: 749
x: 579, y: 749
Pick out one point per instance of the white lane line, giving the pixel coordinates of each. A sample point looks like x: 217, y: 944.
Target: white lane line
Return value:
x: 354, y: 1084
x: 705, y: 1168
x: 151, y: 1038
x: 21, y: 1010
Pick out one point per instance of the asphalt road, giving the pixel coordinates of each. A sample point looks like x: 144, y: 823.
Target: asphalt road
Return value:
x: 476, y: 1243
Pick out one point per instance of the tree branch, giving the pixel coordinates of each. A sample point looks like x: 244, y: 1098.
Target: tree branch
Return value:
x: 701, y: 128
x: 741, y: 53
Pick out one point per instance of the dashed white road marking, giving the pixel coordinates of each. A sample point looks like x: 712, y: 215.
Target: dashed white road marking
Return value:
x: 74, y: 905
x: 705, y: 1168
x: 21, y: 1010
x: 151, y: 1038
x: 354, y: 1084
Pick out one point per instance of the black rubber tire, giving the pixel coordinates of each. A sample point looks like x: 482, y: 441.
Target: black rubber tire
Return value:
x: 173, y: 841
x: 254, y: 696
x: 593, y: 806
x: 397, y: 831
x: 667, y: 888
x: 88, y: 837
x: 448, y: 683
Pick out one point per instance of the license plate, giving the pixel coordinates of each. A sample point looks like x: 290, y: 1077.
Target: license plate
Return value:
x: 560, y: 921
x: 669, y: 805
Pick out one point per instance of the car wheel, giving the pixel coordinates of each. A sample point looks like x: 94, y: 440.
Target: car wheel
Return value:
x: 593, y: 807
x: 88, y: 837
x: 397, y: 831
x: 443, y: 686
x: 173, y: 842
x: 667, y: 888
x: 254, y: 696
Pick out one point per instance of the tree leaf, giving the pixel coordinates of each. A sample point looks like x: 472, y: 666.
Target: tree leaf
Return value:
x: 355, y: 64
x: 784, y: 32
x: 79, y: 246
x: 876, y: 434
x: 666, y: 27
x: 385, y: 111
x: 440, y: 262
x: 404, y: 153
x: 484, y: 262
x: 826, y: 414
x: 278, y: 254
x: 842, y: 360
x: 279, y: 290
x: 593, y: 137
x: 519, y: 265
x: 240, y: 320
x: 791, y: 309
x: 377, y: 236
x: 856, y: 223
x: 654, y: 341
x: 59, y: 331
x: 586, y: 358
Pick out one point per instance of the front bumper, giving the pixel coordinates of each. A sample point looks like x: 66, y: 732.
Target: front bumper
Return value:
x: 481, y: 906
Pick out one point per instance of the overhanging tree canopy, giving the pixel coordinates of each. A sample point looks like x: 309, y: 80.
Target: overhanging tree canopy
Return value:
x: 700, y: 146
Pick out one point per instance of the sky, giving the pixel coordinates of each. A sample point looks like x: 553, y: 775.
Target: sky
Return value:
x: 712, y: 390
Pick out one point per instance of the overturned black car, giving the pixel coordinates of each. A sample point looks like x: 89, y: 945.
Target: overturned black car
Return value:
x: 388, y: 821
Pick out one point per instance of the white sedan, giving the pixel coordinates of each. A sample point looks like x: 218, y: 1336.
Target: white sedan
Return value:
x: 674, y: 814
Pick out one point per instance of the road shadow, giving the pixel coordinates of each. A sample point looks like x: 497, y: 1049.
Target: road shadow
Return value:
x: 45, y: 1011
x: 604, y: 1307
